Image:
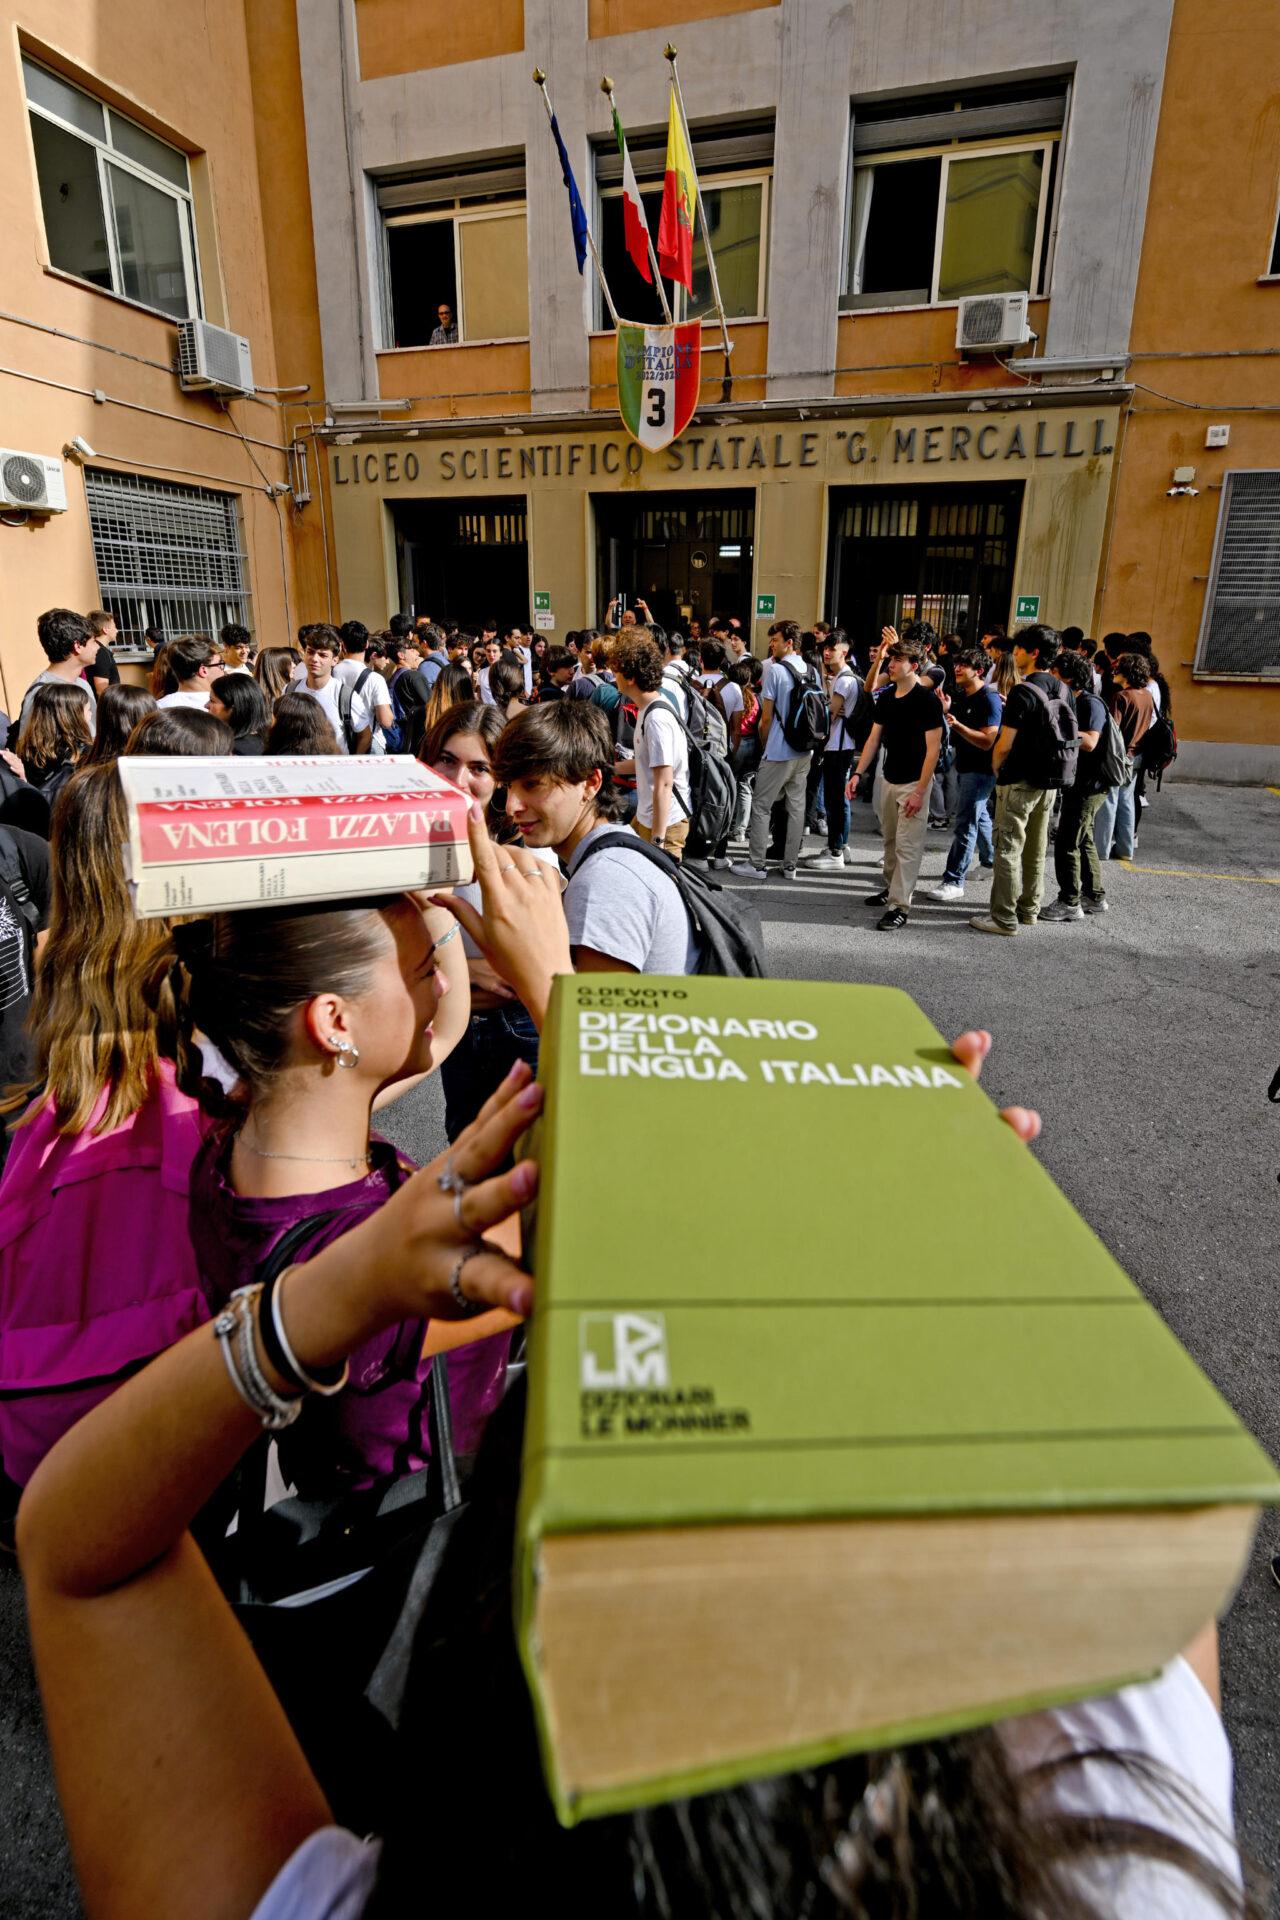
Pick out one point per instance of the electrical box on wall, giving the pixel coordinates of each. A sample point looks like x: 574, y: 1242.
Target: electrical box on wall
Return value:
x: 1217, y: 436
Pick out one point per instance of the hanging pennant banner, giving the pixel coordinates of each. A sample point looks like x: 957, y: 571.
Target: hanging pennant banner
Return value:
x: 659, y: 369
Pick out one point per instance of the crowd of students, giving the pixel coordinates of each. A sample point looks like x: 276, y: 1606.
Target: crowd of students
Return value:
x: 202, y: 1236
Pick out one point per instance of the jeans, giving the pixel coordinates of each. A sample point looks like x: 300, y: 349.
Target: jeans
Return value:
x: 835, y: 772
x: 904, y: 838
x: 1115, y: 828
x: 973, y: 824
x: 1022, y: 838
x: 746, y: 758
x: 496, y: 1037
x: 1074, y: 847
x: 779, y: 780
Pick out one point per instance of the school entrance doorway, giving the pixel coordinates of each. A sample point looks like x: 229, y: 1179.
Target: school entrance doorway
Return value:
x: 465, y: 562
x: 942, y: 554
x: 687, y: 554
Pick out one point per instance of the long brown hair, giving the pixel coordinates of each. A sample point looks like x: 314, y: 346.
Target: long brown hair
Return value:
x: 453, y: 687
x: 120, y: 709
x: 273, y: 669
x: 57, y: 727
x: 488, y: 724
x: 102, y: 1013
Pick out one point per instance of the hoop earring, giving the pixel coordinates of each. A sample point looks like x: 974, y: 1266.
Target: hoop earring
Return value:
x: 347, y: 1055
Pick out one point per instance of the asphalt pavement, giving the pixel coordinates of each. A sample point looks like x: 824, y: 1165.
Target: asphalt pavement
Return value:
x: 1146, y: 1039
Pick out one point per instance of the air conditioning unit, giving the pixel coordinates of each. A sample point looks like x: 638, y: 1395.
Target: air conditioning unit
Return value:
x: 989, y: 322
x: 31, y: 482
x: 213, y: 360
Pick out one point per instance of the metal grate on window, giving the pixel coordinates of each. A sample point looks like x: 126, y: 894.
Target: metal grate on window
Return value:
x: 1241, y: 628
x: 168, y: 557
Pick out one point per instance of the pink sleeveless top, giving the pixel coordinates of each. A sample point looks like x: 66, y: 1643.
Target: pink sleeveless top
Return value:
x: 97, y: 1271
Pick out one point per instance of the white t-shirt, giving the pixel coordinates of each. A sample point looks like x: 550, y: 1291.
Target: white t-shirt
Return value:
x: 1171, y: 1721
x: 327, y: 697
x: 482, y: 687
x: 847, y: 685
x: 184, y: 700
x: 674, y: 675
x: 373, y: 694
x: 660, y: 742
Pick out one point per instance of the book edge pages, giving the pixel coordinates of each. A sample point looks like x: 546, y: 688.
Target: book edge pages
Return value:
x: 1185, y: 1563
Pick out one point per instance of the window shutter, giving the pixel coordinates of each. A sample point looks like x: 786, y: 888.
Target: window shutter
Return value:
x: 501, y: 179
x: 743, y: 149
x: 1241, y: 629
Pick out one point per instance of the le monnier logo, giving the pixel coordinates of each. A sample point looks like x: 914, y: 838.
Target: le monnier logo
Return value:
x: 624, y: 1378
x: 623, y: 1350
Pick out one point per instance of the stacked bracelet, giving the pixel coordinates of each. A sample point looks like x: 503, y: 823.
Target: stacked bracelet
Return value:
x: 234, y: 1331
x: 275, y: 1345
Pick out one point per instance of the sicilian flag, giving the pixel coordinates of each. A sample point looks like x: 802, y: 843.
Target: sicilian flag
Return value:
x: 577, y: 211
x: 679, y: 201
x: 635, y: 226
x: 659, y: 373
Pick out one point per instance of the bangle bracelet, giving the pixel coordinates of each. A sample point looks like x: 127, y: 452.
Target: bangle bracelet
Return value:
x: 275, y: 1344
x: 452, y: 934
x: 233, y: 1329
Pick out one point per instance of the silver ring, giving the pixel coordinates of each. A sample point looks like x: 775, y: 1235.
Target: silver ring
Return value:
x: 509, y: 868
x: 450, y: 1181
x: 457, y: 1207
x: 467, y: 1308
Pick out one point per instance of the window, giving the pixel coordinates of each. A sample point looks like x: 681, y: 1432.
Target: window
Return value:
x: 734, y: 173
x: 116, y: 200
x: 952, y: 198
x: 1240, y: 633
x: 167, y: 556
x: 455, y: 242
x: 1273, y: 270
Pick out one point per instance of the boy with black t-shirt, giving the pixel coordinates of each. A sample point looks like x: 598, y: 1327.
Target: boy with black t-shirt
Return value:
x: 1024, y: 806
x: 1080, y: 801
x: 908, y: 726
x: 976, y: 710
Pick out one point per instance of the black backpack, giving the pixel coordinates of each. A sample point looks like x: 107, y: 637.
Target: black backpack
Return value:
x: 13, y: 886
x: 1113, y: 767
x: 726, y: 927
x: 346, y: 694
x: 807, y: 722
x: 1158, y: 747
x: 1052, y: 750
x: 712, y: 795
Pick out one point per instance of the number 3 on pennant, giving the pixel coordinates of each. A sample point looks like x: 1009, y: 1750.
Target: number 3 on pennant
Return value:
x: 657, y: 414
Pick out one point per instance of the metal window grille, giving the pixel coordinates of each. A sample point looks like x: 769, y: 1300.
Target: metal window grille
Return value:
x: 1240, y: 632
x: 167, y: 556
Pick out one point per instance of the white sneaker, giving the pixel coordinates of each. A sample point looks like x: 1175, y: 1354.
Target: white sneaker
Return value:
x: 720, y: 866
x: 846, y: 856
x: 745, y: 870
x: 947, y: 894
x: 790, y: 873
x: 827, y: 862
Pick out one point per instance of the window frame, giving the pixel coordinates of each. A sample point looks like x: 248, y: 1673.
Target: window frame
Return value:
x: 1271, y: 272
x: 981, y: 149
x: 458, y: 212
x: 757, y: 176
x: 105, y: 155
x: 1199, y: 669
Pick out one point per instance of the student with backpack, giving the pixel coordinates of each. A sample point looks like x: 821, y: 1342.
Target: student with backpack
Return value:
x: 357, y: 671
x: 661, y: 761
x: 346, y: 710
x: 795, y: 721
x: 1035, y: 755
x: 1081, y: 887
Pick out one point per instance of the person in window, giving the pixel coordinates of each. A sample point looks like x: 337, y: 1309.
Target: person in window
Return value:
x: 446, y: 334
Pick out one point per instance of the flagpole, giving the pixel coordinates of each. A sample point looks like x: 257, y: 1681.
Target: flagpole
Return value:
x: 540, y: 81
x: 606, y: 88
x: 669, y: 53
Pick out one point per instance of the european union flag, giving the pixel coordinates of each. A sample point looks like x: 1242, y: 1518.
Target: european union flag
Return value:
x: 577, y: 212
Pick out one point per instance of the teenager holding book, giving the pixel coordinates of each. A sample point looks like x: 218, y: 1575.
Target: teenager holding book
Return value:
x: 177, y: 1768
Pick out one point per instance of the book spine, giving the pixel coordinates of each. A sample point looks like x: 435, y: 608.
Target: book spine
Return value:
x: 172, y: 832
x: 354, y: 873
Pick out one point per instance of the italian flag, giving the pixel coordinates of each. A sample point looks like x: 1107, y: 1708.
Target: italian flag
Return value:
x: 635, y: 226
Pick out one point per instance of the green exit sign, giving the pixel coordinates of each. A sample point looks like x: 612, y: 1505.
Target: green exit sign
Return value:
x: 766, y: 606
x: 542, y: 602
x: 1027, y: 607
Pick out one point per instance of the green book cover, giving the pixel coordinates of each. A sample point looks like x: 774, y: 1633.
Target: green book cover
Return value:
x: 792, y: 1265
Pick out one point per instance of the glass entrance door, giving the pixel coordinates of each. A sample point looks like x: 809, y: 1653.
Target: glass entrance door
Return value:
x: 942, y: 554
x: 687, y: 554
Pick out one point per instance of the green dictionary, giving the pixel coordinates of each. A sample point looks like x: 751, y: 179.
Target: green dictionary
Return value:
x: 844, y: 1427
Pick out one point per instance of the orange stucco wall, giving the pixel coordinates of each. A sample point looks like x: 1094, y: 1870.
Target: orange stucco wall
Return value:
x: 629, y: 16
x: 1204, y: 333
x: 144, y: 423
x: 395, y: 38
x: 457, y: 383
x: 914, y: 351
